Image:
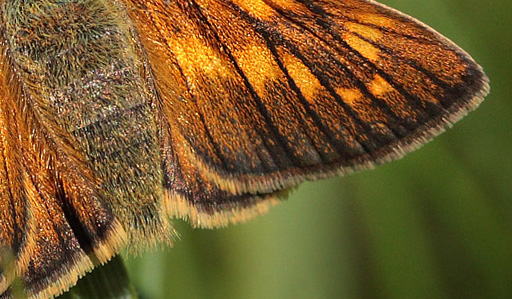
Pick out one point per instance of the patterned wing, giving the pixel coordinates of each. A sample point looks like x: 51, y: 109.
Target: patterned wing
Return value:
x: 259, y: 95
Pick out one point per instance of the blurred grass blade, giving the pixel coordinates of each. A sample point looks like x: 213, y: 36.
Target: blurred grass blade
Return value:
x: 107, y: 281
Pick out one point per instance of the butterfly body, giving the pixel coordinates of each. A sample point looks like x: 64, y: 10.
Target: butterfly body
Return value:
x: 117, y: 116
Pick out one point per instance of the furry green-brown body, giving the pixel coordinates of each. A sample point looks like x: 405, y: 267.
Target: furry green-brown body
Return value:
x: 82, y: 82
x: 86, y: 80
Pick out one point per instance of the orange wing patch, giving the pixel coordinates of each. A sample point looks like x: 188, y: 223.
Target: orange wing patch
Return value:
x: 363, y: 106
x: 366, y: 31
x: 255, y: 60
x: 307, y: 82
x: 197, y: 58
x: 375, y: 19
x: 365, y: 48
x: 257, y: 8
x: 379, y: 86
x: 350, y: 95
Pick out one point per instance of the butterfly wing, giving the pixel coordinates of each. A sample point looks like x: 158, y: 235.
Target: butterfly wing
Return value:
x: 259, y: 95
x: 191, y: 195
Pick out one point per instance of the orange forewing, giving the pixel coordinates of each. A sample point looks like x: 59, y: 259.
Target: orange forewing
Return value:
x: 260, y: 95
x: 117, y: 116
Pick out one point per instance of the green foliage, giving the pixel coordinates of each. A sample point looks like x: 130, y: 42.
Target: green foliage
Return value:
x: 105, y: 282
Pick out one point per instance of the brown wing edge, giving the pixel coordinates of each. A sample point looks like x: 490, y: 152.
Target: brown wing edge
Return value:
x: 82, y: 264
x: 220, y: 215
x: 393, y: 151
x: 190, y: 196
x: 102, y: 253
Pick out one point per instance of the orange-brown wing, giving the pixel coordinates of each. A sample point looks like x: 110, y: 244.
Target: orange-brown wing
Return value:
x: 192, y: 195
x: 260, y: 95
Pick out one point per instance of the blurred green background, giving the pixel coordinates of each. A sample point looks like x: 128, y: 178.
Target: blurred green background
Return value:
x: 435, y: 224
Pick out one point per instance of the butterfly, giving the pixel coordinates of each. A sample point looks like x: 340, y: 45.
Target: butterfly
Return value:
x: 118, y: 116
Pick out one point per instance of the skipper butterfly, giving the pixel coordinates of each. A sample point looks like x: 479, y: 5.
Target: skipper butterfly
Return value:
x: 119, y: 115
